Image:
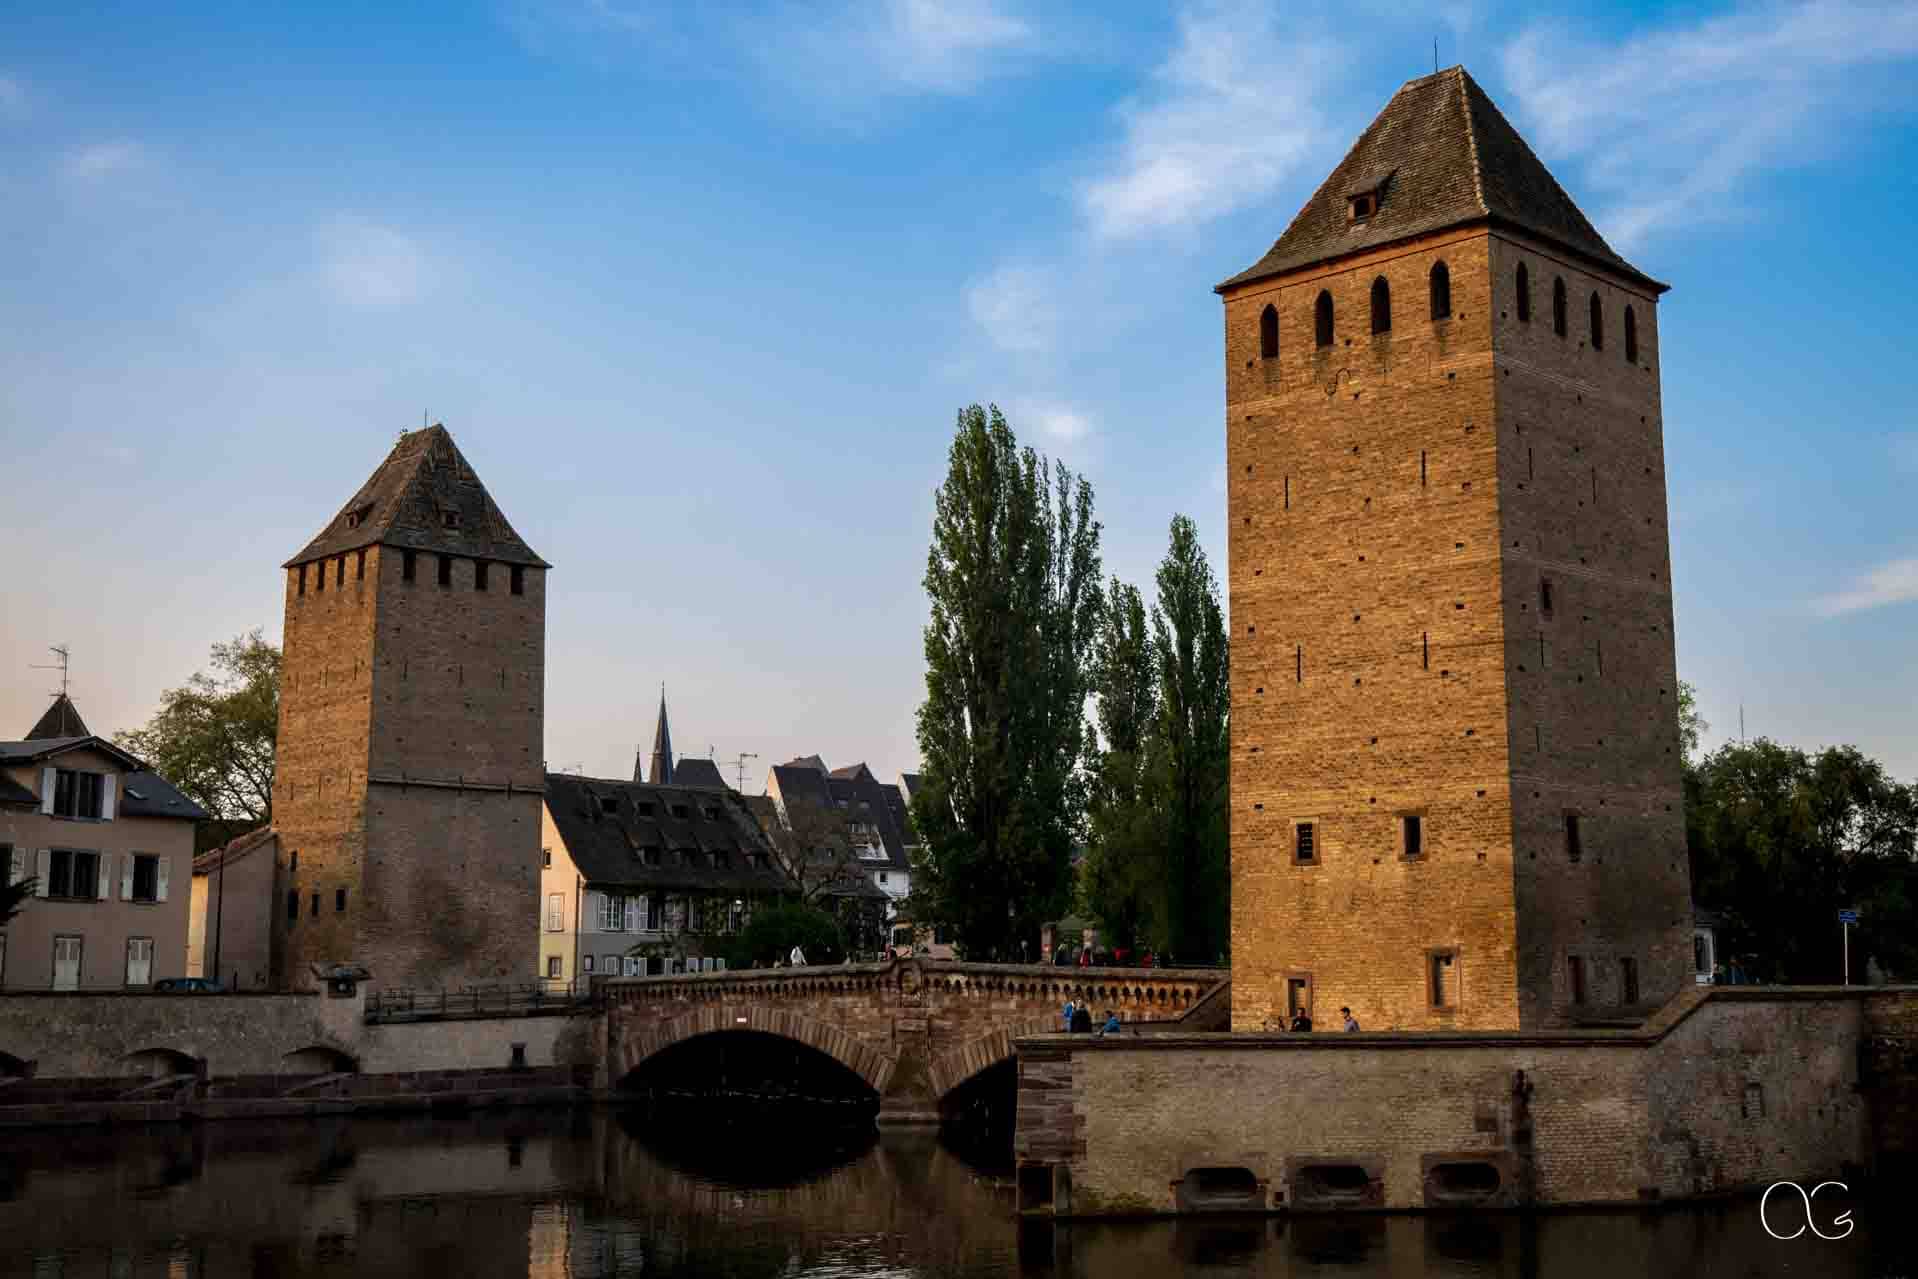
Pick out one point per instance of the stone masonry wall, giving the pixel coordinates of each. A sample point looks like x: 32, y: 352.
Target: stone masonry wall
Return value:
x: 1367, y: 639
x: 1725, y: 1090
x: 1396, y: 500
x: 1593, y: 685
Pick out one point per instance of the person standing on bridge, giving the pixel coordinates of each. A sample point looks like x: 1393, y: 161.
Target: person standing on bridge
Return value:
x: 1112, y: 1024
x: 1081, y: 1020
x: 1065, y: 1017
x: 798, y: 958
x: 1351, y: 1022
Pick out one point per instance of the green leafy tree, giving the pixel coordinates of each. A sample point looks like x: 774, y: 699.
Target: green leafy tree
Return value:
x: 214, y: 737
x: 1013, y: 580
x: 1120, y: 881
x: 1188, y: 630
x: 1781, y: 840
x: 1692, y: 726
x: 13, y: 896
x: 1157, y: 866
x: 774, y: 930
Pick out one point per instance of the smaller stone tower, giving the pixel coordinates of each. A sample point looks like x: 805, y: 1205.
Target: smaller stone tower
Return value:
x: 412, y: 707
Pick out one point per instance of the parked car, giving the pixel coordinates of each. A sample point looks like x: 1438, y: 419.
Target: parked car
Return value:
x: 188, y: 986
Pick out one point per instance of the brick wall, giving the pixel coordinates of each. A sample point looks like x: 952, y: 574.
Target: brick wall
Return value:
x: 1388, y: 527
x: 1726, y: 1090
x: 411, y: 773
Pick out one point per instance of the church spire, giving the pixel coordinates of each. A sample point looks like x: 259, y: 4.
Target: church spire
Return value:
x: 661, y: 772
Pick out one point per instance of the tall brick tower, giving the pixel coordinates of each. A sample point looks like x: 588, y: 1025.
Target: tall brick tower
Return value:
x: 1455, y: 760
x: 408, y: 791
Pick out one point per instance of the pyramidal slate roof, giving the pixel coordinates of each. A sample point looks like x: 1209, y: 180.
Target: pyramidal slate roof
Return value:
x: 61, y: 720
x: 1439, y: 155
x: 425, y: 496
x: 661, y: 771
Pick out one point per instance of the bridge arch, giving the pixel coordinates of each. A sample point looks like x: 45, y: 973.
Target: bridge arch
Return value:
x: 955, y: 1066
x: 162, y: 1063
x: 635, y: 1048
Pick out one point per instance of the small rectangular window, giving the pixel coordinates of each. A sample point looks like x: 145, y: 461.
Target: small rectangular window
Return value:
x: 1628, y: 979
x: 316, y: 904
x: 292, y: 905
x: 339, y: 571
x: 339, y: 899
x: 608, y: 804
x: 301, y: 573
x: 319, y: 578
x: 1412, y: 835
x: 1574, y: 841
x: 293, y: 862
x: 546, y: 857
x: 1298, y: 996
x: 1304, y: 845
x: 588, y: 961
x: 1545, y: 596
x: 479, y: 575
x: 359, y: 566
x: 446, y: 570
x: 1444, y: 981
x: 146, y: 877
x: 406, y: 566
x: 1575, y: 977
x: 449, y: 519
x: 519, y: 579
x: 553, y: 963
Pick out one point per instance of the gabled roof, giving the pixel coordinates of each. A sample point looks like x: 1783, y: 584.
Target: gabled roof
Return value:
x: 236, y: 849
x: 1439, y: 155
x: 147, y: 794
x: 608, y: 825
x: 62, y: 719
x: 852, y: 772
x: 408, y: 500
x: 698, y: 774
x: 813, y: 762
x: 29, y: 752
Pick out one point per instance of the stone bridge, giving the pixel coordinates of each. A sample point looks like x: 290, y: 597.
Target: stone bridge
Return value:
x: 914, y: 1030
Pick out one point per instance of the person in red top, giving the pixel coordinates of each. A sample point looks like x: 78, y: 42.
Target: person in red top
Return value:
x: 1085, y: 956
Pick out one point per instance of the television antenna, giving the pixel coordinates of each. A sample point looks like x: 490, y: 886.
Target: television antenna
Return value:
x: 738, y: 765
x: 60, y: 651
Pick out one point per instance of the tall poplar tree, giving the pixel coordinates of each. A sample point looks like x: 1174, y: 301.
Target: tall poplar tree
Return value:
x: 1013, y: 579
x: 1157, y: 867
x: 1188, y: 631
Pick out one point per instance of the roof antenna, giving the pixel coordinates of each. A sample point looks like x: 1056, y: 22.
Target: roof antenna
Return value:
x: 1434, y: 55
x: 59, y: 651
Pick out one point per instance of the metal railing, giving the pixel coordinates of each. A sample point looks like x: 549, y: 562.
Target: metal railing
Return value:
x: 469, y: 1001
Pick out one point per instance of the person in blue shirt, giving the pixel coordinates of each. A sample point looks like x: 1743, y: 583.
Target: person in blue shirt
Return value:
x: 1112, y: 1023
x: 1065, y: 1017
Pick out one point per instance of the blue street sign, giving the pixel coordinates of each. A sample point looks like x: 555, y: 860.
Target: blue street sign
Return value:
x: 1847, y: 916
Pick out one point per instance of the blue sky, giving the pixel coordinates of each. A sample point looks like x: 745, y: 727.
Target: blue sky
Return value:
x: 699, y: 292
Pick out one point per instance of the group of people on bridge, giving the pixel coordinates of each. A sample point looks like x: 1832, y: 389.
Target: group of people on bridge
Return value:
x: 1076, y: 1018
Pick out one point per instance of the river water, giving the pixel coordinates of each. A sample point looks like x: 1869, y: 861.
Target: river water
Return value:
x: 587, y: 1193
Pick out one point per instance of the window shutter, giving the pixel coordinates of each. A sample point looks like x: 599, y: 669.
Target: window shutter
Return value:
x: 107, y: 790
x: 159, y: 887
x: 48, y: 778
x: 126, y: 879
x: 592, y: 914
x: 17, y: 868
x: 103, y: 878
x: 632, y: 914
x: 45, y: 870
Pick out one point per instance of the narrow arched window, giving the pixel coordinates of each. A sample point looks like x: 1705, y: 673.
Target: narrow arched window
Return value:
x: 1268, y: 333
x: 1381, y: 306
x: 1559, y: 324
x: 1524, y: 295
x: 1441, y: 292
x: 1598, y: 324
x: 1631, y: 336
x: 1322, y: 319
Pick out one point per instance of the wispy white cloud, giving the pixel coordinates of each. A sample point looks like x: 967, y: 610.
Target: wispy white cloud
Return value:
x: 1895, y: 582
x: 1233, y: 111
x: 1054, y: 425
x: 99, y: 161
x: 1015, y: 307
x: 367, y: 264
x: 1672, y: 122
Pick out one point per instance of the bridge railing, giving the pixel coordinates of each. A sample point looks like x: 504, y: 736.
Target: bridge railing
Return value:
x: 400, y: 1003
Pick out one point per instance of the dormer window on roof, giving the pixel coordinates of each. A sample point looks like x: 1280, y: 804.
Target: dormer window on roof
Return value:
x: 357, y: 516
x: 712, y: 812
x: 681, y: 811
x: 608, y: 804
x: 1363, y: 205
x: 449, y: 518
x: 645, y: 808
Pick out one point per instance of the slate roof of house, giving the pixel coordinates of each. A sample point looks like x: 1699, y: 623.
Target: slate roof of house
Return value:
x: 901, y: 813
x: 406, y: 501
x: 234, y: 850
x: 62, y: 719
x: 1439, y: 155
x: 700, y: 774
x: 800, y: 783
x: 147, y: 794
x: 608, y: 825
x: 33, y: 750
x: 13, y: 793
